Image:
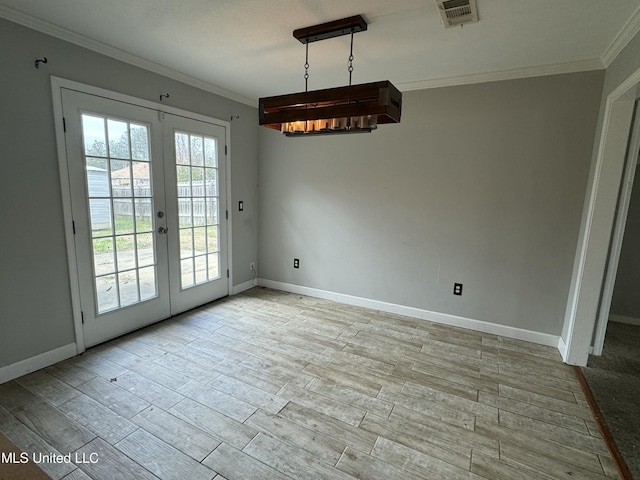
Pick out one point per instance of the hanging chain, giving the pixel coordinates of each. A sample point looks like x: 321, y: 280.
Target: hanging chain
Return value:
x: 306, y: 68
x: 351, y: 59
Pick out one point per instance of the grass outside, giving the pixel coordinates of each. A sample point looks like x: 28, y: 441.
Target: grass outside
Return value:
x: 204, y: 239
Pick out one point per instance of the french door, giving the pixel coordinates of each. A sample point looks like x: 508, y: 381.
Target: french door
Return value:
x: 147, y: 193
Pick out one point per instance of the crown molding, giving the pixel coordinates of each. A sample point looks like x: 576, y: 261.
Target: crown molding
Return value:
x: 526, y: 72
x: 625, y: 35
x: 631, y: 28
x: 104, y: 49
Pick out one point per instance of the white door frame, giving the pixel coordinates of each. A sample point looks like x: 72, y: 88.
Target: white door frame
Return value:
x: 595, y: 237
x: 618, y: 234
x: 57, y: 84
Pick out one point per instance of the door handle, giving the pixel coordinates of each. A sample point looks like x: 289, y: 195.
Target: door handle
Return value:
x: 162, y: 230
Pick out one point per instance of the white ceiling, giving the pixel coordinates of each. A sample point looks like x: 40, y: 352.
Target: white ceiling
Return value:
x: 244, y: 49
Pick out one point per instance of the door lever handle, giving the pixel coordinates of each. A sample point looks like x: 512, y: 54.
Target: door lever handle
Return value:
x: 162, y: 230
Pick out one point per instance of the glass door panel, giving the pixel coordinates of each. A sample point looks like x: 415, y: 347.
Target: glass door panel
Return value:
x: 148, y: 199
x: 115, y: 160
x: 198, y: 180
x: 120, y: 209
x: 197, y: 187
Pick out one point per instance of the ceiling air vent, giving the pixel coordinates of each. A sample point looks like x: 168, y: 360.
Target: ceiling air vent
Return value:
x: 457, y: 12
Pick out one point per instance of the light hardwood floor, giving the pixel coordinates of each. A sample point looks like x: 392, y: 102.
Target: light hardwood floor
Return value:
x: 270, y: 385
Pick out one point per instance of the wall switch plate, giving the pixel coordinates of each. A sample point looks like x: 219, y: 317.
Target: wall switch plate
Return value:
x: 457, y: 289
x: 296, y: 263
x: 241, y: 205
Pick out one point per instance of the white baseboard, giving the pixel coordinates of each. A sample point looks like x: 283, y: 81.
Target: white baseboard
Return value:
x: 236, y: 289
x: 436, y: 317
x: 562, y: 348
x: 32, y: 364
x: 624, y: 319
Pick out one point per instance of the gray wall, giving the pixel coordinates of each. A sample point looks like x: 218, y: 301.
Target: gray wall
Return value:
x: 626, y: 293
x: 35, y: 302
x: 479, y: 184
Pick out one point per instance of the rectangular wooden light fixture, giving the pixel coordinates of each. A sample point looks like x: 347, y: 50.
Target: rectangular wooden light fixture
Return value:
x: 339, y: 110
x: 333, y: 110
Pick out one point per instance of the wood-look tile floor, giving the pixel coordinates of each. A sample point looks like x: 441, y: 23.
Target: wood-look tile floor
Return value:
x: 270, y: 385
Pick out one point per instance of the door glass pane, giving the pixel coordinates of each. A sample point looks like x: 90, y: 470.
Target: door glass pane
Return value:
x: 182, y: 149
x: 197, y: 190
x: 212, y: 239
x: 147, y: 283
x: 121, y: 178
x: 100, y: 212
x: 123, y: 215
x: 139, y: 142
x: 143, y: 215
x: 125, y: 251
x: 118, y: 133
x: 97, y: 178
x: 186, y: 273
x: 184, y: 211
x: 197, y: 184
x: 142, y: 176
x: 198, y: 212
x: 212, y: 182
x: 128, y: 288
x: 120, y: 209
x: 186, y: 243
x: 197, y: 154
x: 201, y: 268
x: 183, y: 181
x: 144, y: 243
x: 213, y: 265
x: 107, y: 293
x: 94, y: 135
x: 103, y: 259
x: 210, y: 153
x: 199, y: 239
x: 212, y: 211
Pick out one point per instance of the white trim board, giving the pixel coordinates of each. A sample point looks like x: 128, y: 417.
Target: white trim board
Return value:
x: 243, y: 287
x: 58, y: 83
x: 513, y: 74
x: 617, y: 236
x: 620, y: 41
x: 67, y: 214
x: 436, y: 317
x: 624, y: 319
x: 594, y: 242
x: 28, y: 365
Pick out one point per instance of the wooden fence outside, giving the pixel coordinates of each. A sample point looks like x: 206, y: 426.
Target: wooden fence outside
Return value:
x: 197, y: 200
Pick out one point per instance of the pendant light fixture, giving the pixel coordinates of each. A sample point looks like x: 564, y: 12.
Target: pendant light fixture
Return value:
x: 350, y: 109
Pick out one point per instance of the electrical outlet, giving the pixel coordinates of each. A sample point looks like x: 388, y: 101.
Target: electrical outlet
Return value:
x: 296, y: 263
x: 252, y: 266
x: 457, y: 289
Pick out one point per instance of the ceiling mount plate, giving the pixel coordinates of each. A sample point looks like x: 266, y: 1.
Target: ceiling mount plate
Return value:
x: 336, y: 28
